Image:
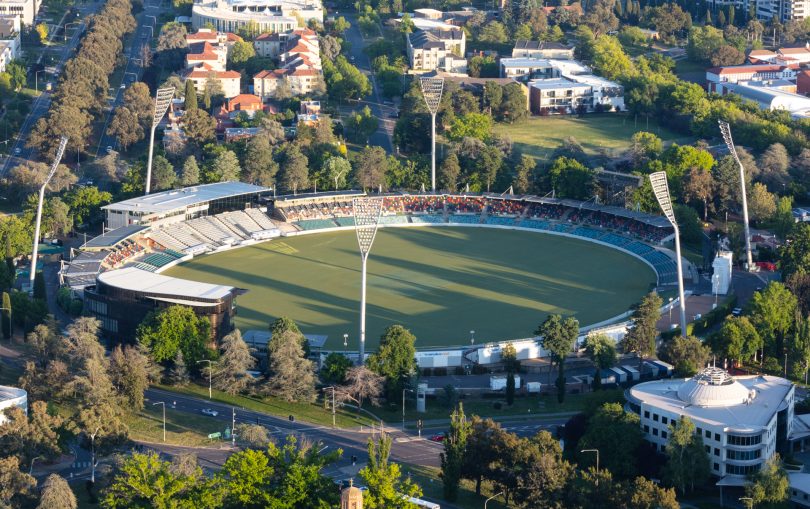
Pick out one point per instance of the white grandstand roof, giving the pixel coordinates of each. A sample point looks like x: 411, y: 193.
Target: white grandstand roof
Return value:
x: 11, y: 393
x: 175, y: 199
x: 714, y: 399
x: 163, y: 287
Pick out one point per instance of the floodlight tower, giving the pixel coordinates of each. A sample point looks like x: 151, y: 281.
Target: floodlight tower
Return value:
x: 163, y: 99
x: 56, y: 160
x: 661, y: 191
x: 725, y: 129
x: 366, y: 219
x: 432, y: 91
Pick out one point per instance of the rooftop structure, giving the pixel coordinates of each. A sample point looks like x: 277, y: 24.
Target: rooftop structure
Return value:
x: 164, y: 288
x: 260, y: 15
x: 771, y: 98
x: 180, y: 204
x: 717, y: 76
x: 299, y: 57
x: 741, y: 419
x: 542, y: 49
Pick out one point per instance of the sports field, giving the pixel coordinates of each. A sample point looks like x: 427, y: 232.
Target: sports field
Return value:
x: 540, y: 136
x: 439, y: 282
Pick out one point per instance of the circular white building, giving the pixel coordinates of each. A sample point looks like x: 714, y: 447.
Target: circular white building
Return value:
x: 263, y: 16
x: 10, y: 397
x: 742, y: 420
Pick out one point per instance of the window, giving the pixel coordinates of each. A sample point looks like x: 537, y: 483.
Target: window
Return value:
x: 717, y: 437
x: 734, y: 454
x: 716, y: 451
x: 744, y: 440
x: 717, y: 466
x: 663, y: 434
x: 646, y: 429
x: 655, y: 432
x: 708, y: 434
x: 646, y: 414
x: 742, y: 469
x: 708, y: 449
x: 663, y: 420
x: 655, y: 417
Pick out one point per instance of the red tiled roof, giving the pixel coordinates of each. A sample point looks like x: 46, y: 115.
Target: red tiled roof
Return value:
x: 205, y: 70
x: 271, y: 75
x: 745, y: 69
x: 243, y: 101
x: 793, y: 50
x: 202, y: 51
x: 268, y: 37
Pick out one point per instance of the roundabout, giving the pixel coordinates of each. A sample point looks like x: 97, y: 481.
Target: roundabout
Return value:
x: 440, y: 282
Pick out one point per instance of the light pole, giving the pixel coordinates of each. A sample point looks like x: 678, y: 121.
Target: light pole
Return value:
x: 432, y: 92
x: 163, y: 99
x: 93, y: 455
x: 64, y: 32
x: 472, y: 337
x: 345, y: 343
x: 661, y: 191
x: 163, y: 404
x: 725, y: 129
x: 332, y: 388
x: 366, y: 219
x: 233, y: 426
x: 490, y: 498
x: 210, y: 370
x: 57, y: 159
x: 597, y: 462
x: 403, y: 406
x: 670, y: 310
x: 716, y: 288
x: 31, y: 470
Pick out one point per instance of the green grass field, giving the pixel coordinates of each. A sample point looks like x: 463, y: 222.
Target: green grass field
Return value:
x: 539, y: 136
x: 439, y: 282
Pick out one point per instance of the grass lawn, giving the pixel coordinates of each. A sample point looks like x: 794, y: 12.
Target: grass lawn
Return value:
x: 428, y: 479
x: 181, y: 428
x: 314, y: 413
x: 539, y: 136
x: 439, y: 282
x: 486, y: 407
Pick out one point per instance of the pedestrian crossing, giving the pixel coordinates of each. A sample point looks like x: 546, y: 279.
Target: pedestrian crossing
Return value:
x: 80, y: 464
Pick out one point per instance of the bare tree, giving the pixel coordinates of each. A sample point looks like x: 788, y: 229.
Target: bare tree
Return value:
x: 361, y: 384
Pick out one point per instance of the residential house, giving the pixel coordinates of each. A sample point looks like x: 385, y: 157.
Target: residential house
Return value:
x: 310, y: 113
x: 567, y: 94
x: 216, y: 57
x: 213, y: 37
x: 717, y: 77
x: 300, y: 62
x: 230, y: 81
x: 441, y: 49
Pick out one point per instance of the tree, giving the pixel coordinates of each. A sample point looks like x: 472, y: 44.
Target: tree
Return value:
x: 199, y: 126
x: 510, y: 388
x: 799, y: 346
x: 139, y: 102
x: 471, y: 125
x: 493, y: 32
x: 688, y: 354
x: 727, y: 55
x: 558, y: 337
x: 773, y: 166
x: 224, y: 168
x: 191, y: 172
x: 240, y: 53
x: 772, y: 312
x: 452, y: 459
x: 42, y: 32
x: 370, y: 167
x: 260, y: 168
x: 395, y: 359
x: 783, y: 220
x: 15, y: 486
x: 362, y: 124
x: 125, y: 127
x: 571, y: 179
x: 699, y: 186
x: 163, y: 174
x: 794, y: 255
x: 640, y: 337
x: 386, y: 488
x: 361, y: 385
x: 703, y: 42
x: 178, y: 374
x: 254, y: 436
x: 6, y: 316
x: 56, y: 494
x: 601, y: 349
x: 32, y: 435
x: 230, y: 373
x: 40, y: 290
x: 294, y: 169
x: 761, y: 203
x: 334, y: 368
x: 523, y: 174
x: 617, y: 434
x: 337, y: 169
x: 129, y: 375
x: 541, y: 472
x: 601, y: 17
x: 190, y: 97
x: 292, y: 376
x: 737, y: 339
x: 770, y: 486
x: 175, y: 328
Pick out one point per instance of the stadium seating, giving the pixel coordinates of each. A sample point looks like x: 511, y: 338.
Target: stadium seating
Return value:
x: 316, y: 224
x: 260, y: 218
x: 501, y: 221
x: 393, y: 219
x: 345, y: 221
x: 427, y: 219
x: 464, y: 219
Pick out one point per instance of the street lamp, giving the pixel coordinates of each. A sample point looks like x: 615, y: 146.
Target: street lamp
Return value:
x: 670, y: 310
x: 472, y: 337
x: 716, y: 288
x: 725, y: 129
x: 210, y: 370
x: 93, y: 455
x: 597, y: 463
x: 163, y: 99
x: 57, y: 159
x: 31, y: 470
x: 64, y: 32
x: 403, y: 406
x: 366, y: 219
x: 432, y: 92
x: 490, y: 498
x: 163, y: 404
x: 345, y: 343
x: 661, y: 191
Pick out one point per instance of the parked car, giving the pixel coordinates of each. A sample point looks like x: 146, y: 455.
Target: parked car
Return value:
x: 210, y: 411
x: 437, y: 438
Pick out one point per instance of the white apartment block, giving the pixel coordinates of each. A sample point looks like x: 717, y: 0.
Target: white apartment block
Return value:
x: 263, y: 16
x: 300, y: 63
x: 542, y: 49
x: 9, y: 40
x: 740, y: 420
x: 229, y: 80
x: 25, y: 9
x: 437, y: 49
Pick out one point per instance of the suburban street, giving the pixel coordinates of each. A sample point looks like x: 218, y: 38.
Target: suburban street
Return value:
x: 144, y: 33
x: 383, y: 137
x: 19, y: 152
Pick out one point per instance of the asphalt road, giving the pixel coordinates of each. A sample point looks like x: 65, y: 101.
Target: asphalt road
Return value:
x: 146, y: 30
x: 19, y: 152
x: 383, y: 136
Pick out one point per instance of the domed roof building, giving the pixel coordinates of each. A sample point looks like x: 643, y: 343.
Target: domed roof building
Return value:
x: 742, y: 420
